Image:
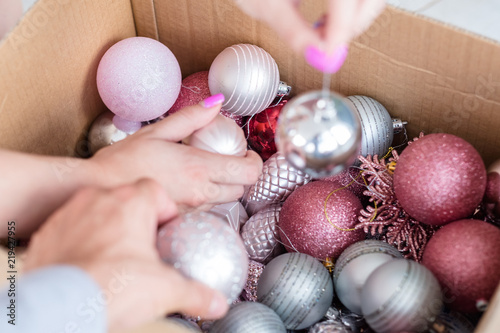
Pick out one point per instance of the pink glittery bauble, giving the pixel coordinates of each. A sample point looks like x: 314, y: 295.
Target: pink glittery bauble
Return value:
x: 440, y: 178
x: 350, y: 176
x: 139, y: 79
x: 195, y: 89
x: 464, y: 257
x: 303, y: 225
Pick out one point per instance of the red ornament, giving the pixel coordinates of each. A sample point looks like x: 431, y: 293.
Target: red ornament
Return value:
x: 303, y: 224
x: 464, y: 257
x: 261, y: 130
x: 440, y: 178
x: 195, y: 89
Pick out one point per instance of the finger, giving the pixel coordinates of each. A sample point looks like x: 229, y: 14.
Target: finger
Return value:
x: 155, y: 193
x: 285, y: 18
x: 339, y: 25
x: 182, y: 124
x: 215, y: 194
x: 368, y: 11
x: 225, y: 169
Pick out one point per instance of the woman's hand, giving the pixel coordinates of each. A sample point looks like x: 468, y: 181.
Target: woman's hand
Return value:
x: 325, y: 48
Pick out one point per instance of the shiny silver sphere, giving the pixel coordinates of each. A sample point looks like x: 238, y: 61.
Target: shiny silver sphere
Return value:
x: 319, y: 133
x: 104, y: 133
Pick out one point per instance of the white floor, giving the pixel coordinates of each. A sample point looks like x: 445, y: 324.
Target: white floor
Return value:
x: 478, y: 16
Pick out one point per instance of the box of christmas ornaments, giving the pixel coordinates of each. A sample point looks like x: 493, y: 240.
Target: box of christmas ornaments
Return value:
x: 377, y: 209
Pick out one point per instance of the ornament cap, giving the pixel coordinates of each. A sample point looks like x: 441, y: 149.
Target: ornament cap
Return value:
x: 284, y: 89
x: 398, y: 125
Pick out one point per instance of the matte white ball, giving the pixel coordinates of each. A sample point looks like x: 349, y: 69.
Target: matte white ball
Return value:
x: 222, y: 135
x: 247, y: 76
x: 377, y: 131
x: 355, y: 265
x: 298, y: 288
x: 249, y: 317
x: 205, y: 248
x: 401, y: 295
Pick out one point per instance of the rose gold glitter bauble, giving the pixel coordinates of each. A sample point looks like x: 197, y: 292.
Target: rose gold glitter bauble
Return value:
x: 350, y: 176
x: 194, y: 89
x: 439, y: 179
x: 464, y: 257
x: 303, y: 225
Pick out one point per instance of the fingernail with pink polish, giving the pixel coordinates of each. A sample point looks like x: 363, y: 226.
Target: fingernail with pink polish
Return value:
x: 213, y: 101
x: 328, y: 64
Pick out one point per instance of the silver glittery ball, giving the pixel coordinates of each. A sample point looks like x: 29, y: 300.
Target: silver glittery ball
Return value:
x: 355, y: 265
x: 376, y: 125
x: 260, y: 236
x: 319, y: 133
x: 249, y: 317
x: 329, y: 326
x: 205, y: 248
x: 298, y: 288
x: 247, y: 76
x: 103, y: 132
x: 401, y: 295
x: 276, y: 182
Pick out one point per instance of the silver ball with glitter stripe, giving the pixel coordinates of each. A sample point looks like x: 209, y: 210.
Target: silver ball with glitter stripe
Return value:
x: 298, y: 288
x: 401, y: 295
x: 247, y: 76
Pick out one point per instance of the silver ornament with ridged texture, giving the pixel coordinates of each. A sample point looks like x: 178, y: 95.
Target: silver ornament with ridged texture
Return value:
x: 248, y: 77
x: 277, y: 181
x: 319, y: 133
x: 222, y: 136
x: 233, y: 213
x: 260, y: 236
x: 355, y: 265
x: 376, y: 125
x: 205, y: 248
x: 249, y: 317
x: 401, y: 295
x: 298, y: 288
x: 104, y: 133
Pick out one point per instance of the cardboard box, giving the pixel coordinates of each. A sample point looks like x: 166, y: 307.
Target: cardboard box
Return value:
x: 435, y: 77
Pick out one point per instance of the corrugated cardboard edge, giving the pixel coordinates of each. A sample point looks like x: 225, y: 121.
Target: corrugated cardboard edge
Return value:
x: 145, y: 18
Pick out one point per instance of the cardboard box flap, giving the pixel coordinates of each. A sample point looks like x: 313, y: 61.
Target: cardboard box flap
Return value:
x: 48, y: 94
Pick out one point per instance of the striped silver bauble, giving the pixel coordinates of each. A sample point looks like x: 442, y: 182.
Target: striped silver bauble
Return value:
x: 248, y: 78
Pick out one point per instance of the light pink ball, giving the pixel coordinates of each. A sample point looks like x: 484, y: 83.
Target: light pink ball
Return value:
x: 139, y: 79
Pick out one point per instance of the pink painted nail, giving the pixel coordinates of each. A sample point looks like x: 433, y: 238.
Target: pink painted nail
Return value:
x: 213, y: 101
x: 328, y: 64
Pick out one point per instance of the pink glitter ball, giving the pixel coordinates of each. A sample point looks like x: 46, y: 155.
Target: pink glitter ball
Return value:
x: 139, y: 79
x: 463, y: 256
x: 350, y: 176
x: 194, y: 90
x: 303, y: 225
x: 440, y: 178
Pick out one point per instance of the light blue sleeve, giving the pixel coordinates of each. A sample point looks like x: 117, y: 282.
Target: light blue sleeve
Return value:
x: 54, y: 299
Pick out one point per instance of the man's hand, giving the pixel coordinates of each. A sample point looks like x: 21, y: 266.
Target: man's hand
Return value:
x: 112, y: 232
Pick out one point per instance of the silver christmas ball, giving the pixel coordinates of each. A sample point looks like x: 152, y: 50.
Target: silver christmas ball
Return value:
x: 260, y: 236
x: 190, y: 326
x: 222, y: 136
x: 103, y: 132
x: 205, y: 248
x: 330, y: 326
x: 249, y: 317
x: 401, y: 295
x: 248, y: 78
x: 319, y: 133
x: 377, y: 129
x: 355, y: 265
x: 298, y: 288
x: 452, y: 322
x: 233, y: 213
x: 277, y: 181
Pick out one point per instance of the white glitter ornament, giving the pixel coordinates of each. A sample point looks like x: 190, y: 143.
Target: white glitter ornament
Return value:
x: 205, y: 248
x: 377, y: 131
x: 249, y: 317
x: 260, y: 236
x: 401, y: 295
x: 355, y: 265
x: 222, y: 136
x: 104, y: 133
x: 248, y: 78
x: 277, y: 181
x: 298, y: 288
